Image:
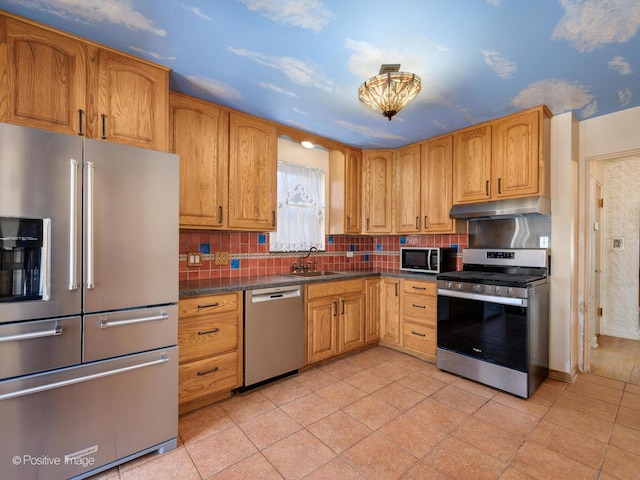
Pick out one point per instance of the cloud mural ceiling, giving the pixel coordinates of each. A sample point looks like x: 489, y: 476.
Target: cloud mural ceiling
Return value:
x: 300, y: 62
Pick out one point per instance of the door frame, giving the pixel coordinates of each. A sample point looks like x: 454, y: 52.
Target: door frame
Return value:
x: 586, y: 247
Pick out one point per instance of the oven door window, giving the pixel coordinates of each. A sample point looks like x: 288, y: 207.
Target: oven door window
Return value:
x: 487, y: 331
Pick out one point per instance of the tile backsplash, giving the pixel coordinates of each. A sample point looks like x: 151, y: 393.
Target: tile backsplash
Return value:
x: 249, y: 252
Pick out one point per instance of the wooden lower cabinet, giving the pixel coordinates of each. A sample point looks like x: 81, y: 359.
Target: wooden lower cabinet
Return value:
x: 419, y: 319
x: 390, y: 332
x: 372, y: 310
x: 210, y: 342
x: 335, y: 318
x: 408, y: 316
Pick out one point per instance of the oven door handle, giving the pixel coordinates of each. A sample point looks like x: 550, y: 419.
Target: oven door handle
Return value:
x: 516, y: 302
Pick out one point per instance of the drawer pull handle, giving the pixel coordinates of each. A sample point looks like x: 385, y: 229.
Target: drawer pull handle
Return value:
x: 418, y: 288
x: 417, y: 306
x: 210, y: 305
x: 414, y: 333
x: 206, y: 372
x: 215, y: 330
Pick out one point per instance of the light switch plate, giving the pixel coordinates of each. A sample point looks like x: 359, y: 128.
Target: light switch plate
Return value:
x: 194, y: 259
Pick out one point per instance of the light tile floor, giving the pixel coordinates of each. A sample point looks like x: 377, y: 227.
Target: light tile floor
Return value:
x: 383, y: 415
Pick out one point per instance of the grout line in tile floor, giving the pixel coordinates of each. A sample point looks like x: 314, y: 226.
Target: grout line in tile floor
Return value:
x: 382, y: 415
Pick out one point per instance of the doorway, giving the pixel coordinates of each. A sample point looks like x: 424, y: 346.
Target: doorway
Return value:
x: 612, y: 340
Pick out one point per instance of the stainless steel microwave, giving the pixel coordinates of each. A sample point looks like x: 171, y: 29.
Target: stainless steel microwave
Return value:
x: 427, y: 259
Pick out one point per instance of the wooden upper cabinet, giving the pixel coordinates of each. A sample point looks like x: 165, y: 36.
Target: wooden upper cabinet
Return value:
x: 377, y: 190
x: 128, y: 100
x: 200, y: 135
x: 504, y: 158
x: 42, y: 77
x: 520, y: 164
x: 345, y: 203
x: 437, y: 186
x: 406, y: 187
x: 353, y: 195
x: 59, y: 82
x: 253, y: 169
x: 472, y: 164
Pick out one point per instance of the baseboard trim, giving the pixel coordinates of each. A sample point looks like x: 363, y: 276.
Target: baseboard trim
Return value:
x: 563, y: 376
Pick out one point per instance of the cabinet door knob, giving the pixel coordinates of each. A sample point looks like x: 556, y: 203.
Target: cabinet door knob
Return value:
x: 486, y: 188
x: 220, y: 214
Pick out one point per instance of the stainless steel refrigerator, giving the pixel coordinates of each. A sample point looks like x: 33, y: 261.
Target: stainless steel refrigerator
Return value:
x: 88, y: 303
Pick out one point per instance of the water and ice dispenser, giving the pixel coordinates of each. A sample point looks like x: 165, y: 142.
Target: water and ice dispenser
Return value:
x: 22, y: 258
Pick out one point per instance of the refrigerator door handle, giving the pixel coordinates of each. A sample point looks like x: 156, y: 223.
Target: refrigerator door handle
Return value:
x: 129, y: 321
x: 90, y: 253
x: 26, y: 336
x: 71, y: 381
x: 73, y: 225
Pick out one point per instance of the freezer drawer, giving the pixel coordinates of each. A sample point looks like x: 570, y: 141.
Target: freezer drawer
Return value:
x: 112, y: 334
x: 72, y: 421
x: 30, y: 347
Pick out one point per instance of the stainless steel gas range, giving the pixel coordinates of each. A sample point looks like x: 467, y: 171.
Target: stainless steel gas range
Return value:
x: 493, y: 319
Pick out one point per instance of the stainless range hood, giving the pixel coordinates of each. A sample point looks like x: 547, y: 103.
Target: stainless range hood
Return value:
x: 503, y: 208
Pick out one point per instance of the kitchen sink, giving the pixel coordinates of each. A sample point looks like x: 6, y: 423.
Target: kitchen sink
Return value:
x: 317, y: 273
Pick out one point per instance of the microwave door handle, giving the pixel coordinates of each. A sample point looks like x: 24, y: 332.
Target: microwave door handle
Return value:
x: 90, y: 245
x: 73, y: 225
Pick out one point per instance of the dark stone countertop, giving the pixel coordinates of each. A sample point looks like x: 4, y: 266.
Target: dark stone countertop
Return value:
x: 194, y: 288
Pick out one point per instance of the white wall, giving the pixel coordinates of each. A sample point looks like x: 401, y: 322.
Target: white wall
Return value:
x: 563, y: 313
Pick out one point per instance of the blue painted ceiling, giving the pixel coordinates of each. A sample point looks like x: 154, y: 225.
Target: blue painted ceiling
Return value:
x: 300, y: 62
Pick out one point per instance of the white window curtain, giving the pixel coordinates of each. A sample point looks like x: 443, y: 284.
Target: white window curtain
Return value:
x: 300, y: 208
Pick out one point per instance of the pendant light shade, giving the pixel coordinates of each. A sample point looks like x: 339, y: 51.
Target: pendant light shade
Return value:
x: 390, y: 91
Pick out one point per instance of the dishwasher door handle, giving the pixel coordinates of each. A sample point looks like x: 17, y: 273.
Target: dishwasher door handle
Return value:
x: 272, y: 294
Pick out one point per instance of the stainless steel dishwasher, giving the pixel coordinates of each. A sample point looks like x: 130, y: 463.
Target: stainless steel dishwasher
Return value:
x: 273, y: 333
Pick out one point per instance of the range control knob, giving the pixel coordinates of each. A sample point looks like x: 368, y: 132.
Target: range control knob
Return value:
x: 459, y: 286
x: 496, y: 290
x: 449, y: 285
x: 476, y: 288
x: 510, y: 292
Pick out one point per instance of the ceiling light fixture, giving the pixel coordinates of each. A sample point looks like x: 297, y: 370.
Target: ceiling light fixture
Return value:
x: 307, y: 144
x: 390, y: 91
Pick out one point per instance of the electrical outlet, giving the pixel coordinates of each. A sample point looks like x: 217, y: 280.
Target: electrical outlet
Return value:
x: 194, y: 259
x: 221, y: 258
x: 544, y: 242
